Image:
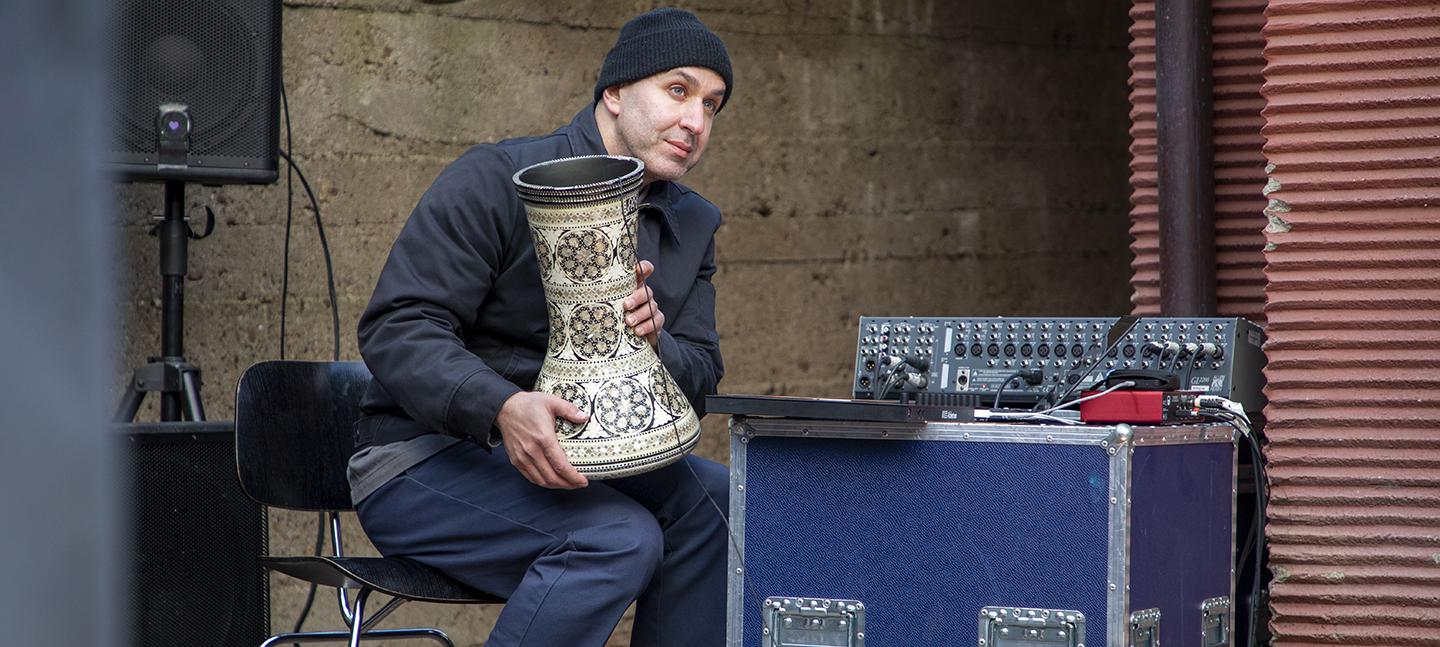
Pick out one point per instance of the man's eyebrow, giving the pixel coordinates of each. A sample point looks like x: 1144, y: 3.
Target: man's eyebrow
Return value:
x: 690, y: 78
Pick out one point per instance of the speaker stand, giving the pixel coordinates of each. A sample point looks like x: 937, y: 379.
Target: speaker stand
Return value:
x: 177, y: 380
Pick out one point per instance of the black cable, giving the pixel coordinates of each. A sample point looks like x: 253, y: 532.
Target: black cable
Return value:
x: 1262, y: 496
x: 289, y: 211
x: 1004, y: 385
x: 724, y: 517
x: 1189, y: 370
x: 325, y: 247
x: 1025, y: 373
x: 891, y: 380
x: 1098, y: 360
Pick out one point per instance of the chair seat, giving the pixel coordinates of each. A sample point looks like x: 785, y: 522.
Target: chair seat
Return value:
x: 397, y: 576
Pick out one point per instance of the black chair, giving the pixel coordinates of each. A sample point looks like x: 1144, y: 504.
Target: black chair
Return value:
x: 294, y: 425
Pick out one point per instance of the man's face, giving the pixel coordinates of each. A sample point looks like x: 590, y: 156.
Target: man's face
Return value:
x: 665, y: 119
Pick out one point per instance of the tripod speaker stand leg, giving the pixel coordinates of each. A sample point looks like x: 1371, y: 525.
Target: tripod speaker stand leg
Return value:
x: 177, y: 380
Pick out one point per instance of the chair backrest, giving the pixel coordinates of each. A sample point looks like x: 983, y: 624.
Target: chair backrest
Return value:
x: 294, y: 431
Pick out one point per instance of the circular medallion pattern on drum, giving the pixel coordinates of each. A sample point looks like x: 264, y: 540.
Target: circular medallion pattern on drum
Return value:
x: 625, y: 250
x: 557, y: 330
x: 635, y: 341
x: 623, y: 407
x: 577, y: 396
x: 583, y: 255
x: 594, y: 330
x: 543, y: 255
x: 666, y: 392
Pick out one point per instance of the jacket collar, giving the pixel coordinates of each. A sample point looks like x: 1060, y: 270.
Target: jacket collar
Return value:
x: 584, y: 135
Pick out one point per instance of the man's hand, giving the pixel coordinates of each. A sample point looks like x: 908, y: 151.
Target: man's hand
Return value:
x: 642, y: 314
x: 527, y: 423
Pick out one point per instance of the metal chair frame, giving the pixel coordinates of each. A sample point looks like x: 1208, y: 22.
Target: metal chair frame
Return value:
x: 280, y: 401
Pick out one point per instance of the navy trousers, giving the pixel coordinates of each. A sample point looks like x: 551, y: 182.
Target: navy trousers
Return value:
x: 569, y: 561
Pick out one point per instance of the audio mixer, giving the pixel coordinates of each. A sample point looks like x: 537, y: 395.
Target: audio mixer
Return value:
x: 1036, y: 357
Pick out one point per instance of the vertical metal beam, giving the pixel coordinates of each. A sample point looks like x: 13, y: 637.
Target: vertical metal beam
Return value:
x: 1183, y: 101
x: 65, y: 564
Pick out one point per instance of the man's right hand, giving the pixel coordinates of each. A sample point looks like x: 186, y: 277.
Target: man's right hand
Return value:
x: 527, y: 424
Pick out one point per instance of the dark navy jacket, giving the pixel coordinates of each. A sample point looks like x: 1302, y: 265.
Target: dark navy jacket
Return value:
x: 458, y: 321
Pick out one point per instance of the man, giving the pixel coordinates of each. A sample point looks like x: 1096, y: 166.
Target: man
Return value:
x: 457, y: 463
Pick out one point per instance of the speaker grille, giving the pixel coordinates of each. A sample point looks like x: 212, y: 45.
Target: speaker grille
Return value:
x: 220, y: 58
x: 197, y: 540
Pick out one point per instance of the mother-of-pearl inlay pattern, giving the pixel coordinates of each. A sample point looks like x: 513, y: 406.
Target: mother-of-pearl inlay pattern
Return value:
x: 582, y: 216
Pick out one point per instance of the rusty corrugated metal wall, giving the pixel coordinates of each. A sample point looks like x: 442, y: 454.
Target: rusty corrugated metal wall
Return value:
x: 1352, y: 128
x: 1239, y: 165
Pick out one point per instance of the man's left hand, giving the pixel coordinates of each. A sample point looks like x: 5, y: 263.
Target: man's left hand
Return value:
x: 642, y: 314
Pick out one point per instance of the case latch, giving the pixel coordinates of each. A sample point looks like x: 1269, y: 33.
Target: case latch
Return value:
x: 814, y: 622
x: 1019, y: 627
x: 1215, y: 622
x: 1145, y: 628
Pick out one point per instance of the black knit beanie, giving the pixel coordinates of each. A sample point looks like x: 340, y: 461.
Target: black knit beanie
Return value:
x: 662, y: 40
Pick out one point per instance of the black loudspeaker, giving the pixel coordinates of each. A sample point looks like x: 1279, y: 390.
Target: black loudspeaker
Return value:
x: 195, y: 539
x: 196, y: 90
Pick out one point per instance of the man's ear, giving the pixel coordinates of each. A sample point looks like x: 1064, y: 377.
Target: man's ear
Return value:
x: 611, y: 97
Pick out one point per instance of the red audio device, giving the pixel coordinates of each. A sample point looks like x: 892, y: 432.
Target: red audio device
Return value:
x: 1148, y: 407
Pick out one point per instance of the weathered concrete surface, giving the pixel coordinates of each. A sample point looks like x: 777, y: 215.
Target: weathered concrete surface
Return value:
x: 877, y: 157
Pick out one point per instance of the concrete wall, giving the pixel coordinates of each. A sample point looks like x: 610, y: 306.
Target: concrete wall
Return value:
x: 878, y: 157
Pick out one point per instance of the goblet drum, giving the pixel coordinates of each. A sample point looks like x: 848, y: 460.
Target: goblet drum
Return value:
x: 582, y: 215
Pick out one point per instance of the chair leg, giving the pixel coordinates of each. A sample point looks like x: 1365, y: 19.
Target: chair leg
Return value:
x: 344, y: 636
x: 360, y: 629
x: 359, y: 624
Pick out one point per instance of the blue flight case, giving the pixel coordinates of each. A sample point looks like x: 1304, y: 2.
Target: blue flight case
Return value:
x: 897, y: 534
